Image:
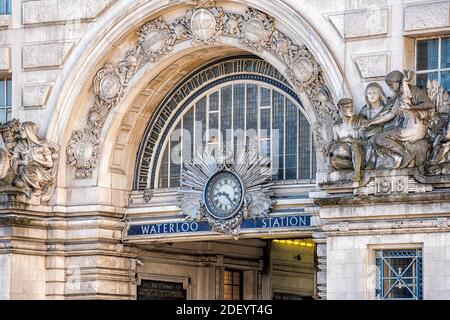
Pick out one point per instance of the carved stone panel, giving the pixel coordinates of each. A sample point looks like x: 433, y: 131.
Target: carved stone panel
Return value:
x: 427, y: 16
x: 373, y: 66
x: 5, y: 58
x: 362, y: 23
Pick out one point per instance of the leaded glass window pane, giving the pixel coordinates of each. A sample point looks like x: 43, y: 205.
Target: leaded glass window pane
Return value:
x: 175, y: 157
x: 232, y: 115
x: 239, y: 116
x: 227, y: 117
x: 5, y: 7
x: 291, y: 140
x: 433, y: 61
x: 278, y: 131
x: 5, y: 100
x: 428, y: 52
x: 305, y: 148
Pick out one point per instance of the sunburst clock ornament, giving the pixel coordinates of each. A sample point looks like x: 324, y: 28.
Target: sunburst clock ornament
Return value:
x: 226, y: 191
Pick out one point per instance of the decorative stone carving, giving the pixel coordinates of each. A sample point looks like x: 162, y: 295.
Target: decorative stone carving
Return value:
x: 345, y: 151
x: 108, y: 84
x: 45, y: 55
x: 83, y: 151
x: 156, y: 39
x: 397, y: 131
x: 35, y: 95
x: 256, y: 29
x: 5, y: 58
x: 204, y: 24
x: 427, y: 16
x: 28, y: 163
x: 253, y: 171
x: 362, y: 23
x: 372, y: 66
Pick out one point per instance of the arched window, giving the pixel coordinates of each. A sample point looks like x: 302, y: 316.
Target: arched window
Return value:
x: 234, y: 113
x: 224, y: 105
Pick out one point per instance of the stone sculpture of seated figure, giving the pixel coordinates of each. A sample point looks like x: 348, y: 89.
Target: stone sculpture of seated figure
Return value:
x: 345, y: 151
x: 407, y: 143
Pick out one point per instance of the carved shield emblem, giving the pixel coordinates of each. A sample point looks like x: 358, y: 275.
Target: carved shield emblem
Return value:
x: 254, y: 30
x: 203, y: 24
x: 84, y: 151
x: 303, y: 69
x: 109, y: 87
x: 154, y: 41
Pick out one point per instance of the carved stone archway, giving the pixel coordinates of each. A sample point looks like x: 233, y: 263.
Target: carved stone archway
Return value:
x: 116, y: 84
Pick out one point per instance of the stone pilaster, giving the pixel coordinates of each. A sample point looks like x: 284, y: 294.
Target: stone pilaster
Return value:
x: 321, y: 267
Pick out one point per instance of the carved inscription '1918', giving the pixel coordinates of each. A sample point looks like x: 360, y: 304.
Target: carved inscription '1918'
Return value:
x: 391, y: 185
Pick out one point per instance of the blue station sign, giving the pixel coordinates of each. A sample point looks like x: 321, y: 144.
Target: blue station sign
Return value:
x: 197, y: 227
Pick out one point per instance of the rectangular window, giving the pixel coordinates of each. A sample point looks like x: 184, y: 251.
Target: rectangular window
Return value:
x: 433, y: 61
x: 233, y: 285
x: 5, y: 100
x: 399, y: 274
x: 5, y: 7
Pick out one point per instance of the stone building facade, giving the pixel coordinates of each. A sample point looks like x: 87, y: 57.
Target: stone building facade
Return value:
x: 98, y: 97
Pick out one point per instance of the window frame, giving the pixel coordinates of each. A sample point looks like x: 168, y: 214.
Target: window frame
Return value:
x: 439, y: 70
x: 379, y: 276
x: 6, y: 8
x: 241, y: 284
x: 4, y: 107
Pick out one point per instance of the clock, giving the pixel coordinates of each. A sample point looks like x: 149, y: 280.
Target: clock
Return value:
x: 224, y: 195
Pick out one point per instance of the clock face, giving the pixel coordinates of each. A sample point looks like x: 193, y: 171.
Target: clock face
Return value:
x: 224, y: 195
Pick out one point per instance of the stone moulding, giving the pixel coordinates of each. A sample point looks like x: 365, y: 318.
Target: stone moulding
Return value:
x: 204, y: 24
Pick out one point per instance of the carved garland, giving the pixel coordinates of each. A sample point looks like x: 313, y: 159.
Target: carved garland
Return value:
x: 203, y: 25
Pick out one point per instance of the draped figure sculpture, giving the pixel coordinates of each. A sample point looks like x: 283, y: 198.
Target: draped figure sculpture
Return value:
x: 405, y: 145
x: 27, y: 162
x: 377, y: 104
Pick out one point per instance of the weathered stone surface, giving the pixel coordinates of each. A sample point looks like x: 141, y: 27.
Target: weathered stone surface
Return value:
x: 35, y: 95
x: 55, y: 11
x: 5, y: 58
x: 427, y: 16
x: 45, y: 55
x: 362, y: 23
x: 373, y: 66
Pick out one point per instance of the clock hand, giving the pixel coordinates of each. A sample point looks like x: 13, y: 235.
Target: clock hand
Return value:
x: 226, y: 195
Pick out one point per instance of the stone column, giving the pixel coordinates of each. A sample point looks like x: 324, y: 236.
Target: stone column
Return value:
x: 321, y: 265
